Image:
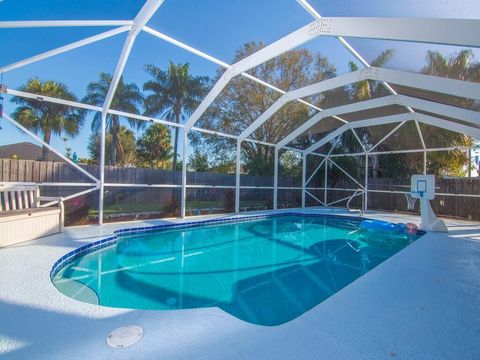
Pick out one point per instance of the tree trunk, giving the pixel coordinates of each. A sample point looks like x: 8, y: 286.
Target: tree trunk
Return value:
x: 45, y: 150
x: 113, y: 145
x: 469, y: 163
x: 375, y: 164
x: 175, y: 146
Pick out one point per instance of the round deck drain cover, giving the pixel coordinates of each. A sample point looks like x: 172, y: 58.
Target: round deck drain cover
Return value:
x: 124, y: 336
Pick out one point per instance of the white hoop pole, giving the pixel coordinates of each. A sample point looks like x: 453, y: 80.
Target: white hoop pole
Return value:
x: 366, y: 183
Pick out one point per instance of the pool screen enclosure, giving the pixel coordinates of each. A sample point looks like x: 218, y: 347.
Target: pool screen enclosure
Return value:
x: 417, y: 110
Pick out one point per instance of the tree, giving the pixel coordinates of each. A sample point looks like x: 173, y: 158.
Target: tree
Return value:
x: 68, y: 149
x: 460, y: 66
x: 127, y: 98
x: 367, y: 89
x: 173, y: 94
x: 361, y: 91
x: 243, y: 101
x: 125, y: 156
x: 457, y: 66
x: 290, y: 164
x: 198, y: 161
x: 154, y: 148
x: 45, y: 118
x: 224, y: 166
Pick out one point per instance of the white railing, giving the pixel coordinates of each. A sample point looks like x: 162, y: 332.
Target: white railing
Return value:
x: 357, y: 193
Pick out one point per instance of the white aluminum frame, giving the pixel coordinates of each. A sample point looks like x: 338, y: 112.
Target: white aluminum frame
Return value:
x: 62, y: 23
x: 427, y: 119
x: 146, y: 12
x: 65, y: 48
x: 458, y: 32
x: 426, y: 82
x: 50, y: 147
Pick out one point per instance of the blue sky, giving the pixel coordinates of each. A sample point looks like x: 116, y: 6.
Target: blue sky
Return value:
x: 217, y: 27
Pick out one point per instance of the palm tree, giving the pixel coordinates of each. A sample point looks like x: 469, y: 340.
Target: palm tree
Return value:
x: 127, y: 98
x: 46, y: 118
x: 126, y: 152
x: 154, y: 148
x: 458, y: 66
x: 367, y: 89
x: 361, y: 91
x: 174, y: 94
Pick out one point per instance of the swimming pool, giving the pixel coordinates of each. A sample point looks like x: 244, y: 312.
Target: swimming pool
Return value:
x: 266, y: 270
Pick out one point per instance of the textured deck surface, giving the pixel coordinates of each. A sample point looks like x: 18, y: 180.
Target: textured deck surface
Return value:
x: 423, y: 303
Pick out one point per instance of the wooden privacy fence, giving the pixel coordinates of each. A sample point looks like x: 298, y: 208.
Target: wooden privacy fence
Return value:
x: 42, y: 171
x: 48, y: 171
x: 383, y: 195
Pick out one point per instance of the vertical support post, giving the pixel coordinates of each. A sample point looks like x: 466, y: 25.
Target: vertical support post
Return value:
x: 469, y: 162
x: 184, y: 173
x: 424, y: 162
x: 237, y: 177
x: 366, y: 182
x: 275, y: 180
x: 325, y: 182
x: 101, y: 191
x: 304, y: 177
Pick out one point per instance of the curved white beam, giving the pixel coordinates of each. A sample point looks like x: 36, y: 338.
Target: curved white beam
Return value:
x: 361, y: 123
x: 426, y: 119
x: 356, y: 54
x: 469, y: 116
x: 458, y: 32
x: 145, y: 14
x: 221, y: 63
x: 448, y: 125
x: 80, y: 105
x: 125, y: 114
x: 440, y: 31
x: 345, y: 109
x: 316, y: 15
x: 62, y: 23
x: 427, y: 82
x: 64, y: 48
x: 271, y: 51
x: 321, y: 86
x: 442, y: 85
x: 433, y: 107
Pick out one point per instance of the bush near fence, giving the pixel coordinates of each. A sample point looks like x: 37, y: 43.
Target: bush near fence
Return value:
x: 204, y: 200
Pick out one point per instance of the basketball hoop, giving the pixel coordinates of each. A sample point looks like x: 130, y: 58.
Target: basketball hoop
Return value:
x: 410, y: 200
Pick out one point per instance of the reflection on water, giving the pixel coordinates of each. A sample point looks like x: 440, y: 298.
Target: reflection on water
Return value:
x: 265, y: 271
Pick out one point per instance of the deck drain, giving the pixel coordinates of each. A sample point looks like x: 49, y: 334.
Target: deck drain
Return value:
x: 124, y: 336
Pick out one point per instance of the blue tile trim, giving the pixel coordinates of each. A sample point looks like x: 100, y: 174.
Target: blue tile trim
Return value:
x: 111, y: 240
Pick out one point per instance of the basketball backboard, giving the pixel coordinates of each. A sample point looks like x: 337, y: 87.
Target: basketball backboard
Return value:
x: 423, y: 187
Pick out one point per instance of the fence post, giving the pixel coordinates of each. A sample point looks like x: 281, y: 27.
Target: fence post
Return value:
x: 237, y: 177
x: 424, y: 162
x: 275, y: 180
x: 366, y: 182
x: 325, y: 182
x: 304, y: 177
x: 102, y: 170
x: 184, y: 173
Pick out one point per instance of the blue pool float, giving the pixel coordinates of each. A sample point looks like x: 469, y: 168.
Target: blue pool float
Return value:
x: 374, y: 225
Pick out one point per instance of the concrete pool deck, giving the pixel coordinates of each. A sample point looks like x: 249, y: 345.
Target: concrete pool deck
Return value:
x: 422, y: 303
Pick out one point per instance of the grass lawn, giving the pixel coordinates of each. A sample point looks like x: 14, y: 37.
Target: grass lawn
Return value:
x: 131, y: 208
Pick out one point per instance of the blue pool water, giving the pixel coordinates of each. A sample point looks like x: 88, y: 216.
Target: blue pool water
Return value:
x: 266, y: 271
